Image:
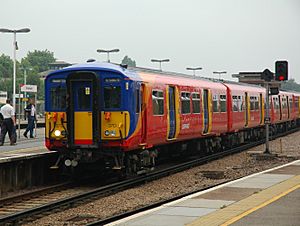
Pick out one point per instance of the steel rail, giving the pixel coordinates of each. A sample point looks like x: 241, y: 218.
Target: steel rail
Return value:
x: 119, y: 186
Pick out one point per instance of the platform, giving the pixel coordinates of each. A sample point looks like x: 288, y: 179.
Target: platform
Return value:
x: 267, y: 198
x: 25, y: 148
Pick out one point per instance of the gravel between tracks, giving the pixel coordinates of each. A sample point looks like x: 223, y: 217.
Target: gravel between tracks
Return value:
x: 234, y: 166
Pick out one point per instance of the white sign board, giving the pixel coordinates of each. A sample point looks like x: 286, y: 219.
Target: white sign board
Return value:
x: 19, y: 96
x: 29, y: 88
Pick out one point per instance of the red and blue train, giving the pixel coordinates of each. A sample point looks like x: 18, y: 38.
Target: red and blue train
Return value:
x: 126, y: 118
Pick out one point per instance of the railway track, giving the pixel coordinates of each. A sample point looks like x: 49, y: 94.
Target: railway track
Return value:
x: 14, y: 212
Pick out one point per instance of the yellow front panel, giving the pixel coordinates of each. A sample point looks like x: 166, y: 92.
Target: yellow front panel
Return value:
x: 55, y: 121
x: 83, y: 125
x: 117, y: 124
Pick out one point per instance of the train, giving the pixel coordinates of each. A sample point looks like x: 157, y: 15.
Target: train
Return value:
x: 125, y: 118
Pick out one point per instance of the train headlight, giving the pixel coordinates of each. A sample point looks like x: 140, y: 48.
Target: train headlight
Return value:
x: 57, y: 133
x: 110, y: 133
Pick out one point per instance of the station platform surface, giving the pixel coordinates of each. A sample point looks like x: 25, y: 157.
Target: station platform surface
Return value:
x: 25, y: 148
x: 270, y: 198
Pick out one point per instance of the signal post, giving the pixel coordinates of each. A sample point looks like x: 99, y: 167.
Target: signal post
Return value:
x: 281, y: 74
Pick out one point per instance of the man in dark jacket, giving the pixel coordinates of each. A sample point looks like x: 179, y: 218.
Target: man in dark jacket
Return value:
x: 31, y: 117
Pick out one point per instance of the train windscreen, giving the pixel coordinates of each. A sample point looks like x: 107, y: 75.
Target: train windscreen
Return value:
x: 112, y: 96
x: 58, y: 95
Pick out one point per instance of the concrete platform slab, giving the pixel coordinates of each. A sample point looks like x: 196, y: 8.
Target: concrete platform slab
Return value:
x: 293, y: 169
x: 229, y: 193
x: 261, y: 181
x: 273, y: 176
x: 159, y: 220
x: 203, y: 203
x: 184, y: 211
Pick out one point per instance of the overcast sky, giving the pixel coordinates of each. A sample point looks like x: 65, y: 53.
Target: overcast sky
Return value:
x: 230, y: 35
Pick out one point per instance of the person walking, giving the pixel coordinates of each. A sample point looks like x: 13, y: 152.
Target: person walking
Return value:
x: 31, y: 117
x: 8, y: 123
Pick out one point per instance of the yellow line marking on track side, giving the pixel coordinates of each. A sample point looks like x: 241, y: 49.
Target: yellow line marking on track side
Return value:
x: 233, y: 220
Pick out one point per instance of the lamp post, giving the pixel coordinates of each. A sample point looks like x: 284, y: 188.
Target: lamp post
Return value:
x: 23, y: 30
x: 219, y: 73
x: 108, y: 52
x: 25, y: 80
x: 160, y: 61
x: 194, y: 69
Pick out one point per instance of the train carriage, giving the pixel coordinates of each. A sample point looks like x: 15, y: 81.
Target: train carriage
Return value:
x: 121, y: 118
x: 247, y: 106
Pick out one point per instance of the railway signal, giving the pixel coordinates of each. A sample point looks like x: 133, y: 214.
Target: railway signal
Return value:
x: 281, y: 70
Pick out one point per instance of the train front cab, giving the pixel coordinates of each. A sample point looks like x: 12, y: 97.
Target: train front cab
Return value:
x: 86, y: 110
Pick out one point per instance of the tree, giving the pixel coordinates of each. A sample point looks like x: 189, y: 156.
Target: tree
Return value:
x: 38, y: 59
x: 128, y: 61
x: 6, y: 66
x: 291, y: 85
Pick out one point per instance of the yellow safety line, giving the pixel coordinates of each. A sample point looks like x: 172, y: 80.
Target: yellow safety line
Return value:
x: 231, y: 221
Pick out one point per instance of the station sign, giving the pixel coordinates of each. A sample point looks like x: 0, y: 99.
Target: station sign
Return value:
x: 19, y: 95
x: 29, y: 88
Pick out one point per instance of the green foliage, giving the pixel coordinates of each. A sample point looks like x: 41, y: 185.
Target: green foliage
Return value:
x: 291, y: 85
x: 6, y: 85
x: 39, y: 60
x: 6, y: 67
x: 128, y: 61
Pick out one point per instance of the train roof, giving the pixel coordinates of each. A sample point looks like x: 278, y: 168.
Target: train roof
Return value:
x: 135, y: 73
x: 244, y: 87
x: 92, y: 66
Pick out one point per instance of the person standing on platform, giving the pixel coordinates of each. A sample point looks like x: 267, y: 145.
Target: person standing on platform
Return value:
x: 8, y: 124
x: 31, y: 117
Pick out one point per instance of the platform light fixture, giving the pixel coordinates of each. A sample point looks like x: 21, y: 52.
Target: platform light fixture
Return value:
x: 108, y: 52
x: 15, y: 47
x: 194, y: 69
x: 219, y: 73
x: 160, y: 61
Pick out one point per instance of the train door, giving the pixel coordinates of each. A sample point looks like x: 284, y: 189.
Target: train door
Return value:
x: 261, y: 104
x: 280, y: 107
x: 172, y: 117
x: 205, y: 111
x: 83, y: 109
x: 288, y: 106
x: 143, y: 113
x: 246, y: 110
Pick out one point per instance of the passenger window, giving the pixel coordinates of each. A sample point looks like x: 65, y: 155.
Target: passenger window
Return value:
x: 235, y: 103
x: 196, y: 103
x: 112, y: 96
x: 223, y: 103
x: 215, y: 103
x: 185, y: 103
x: 158, y: 102
x: 256, y: 103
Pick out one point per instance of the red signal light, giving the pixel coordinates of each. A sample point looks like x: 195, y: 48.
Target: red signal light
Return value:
x: 281, y: 77
x: 281, y: 71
